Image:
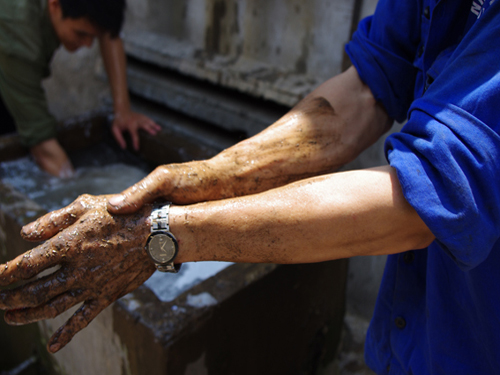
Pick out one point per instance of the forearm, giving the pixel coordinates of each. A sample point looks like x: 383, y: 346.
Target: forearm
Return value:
x: 113, y: 55
x: 326, y: 130
x: 330, y: 217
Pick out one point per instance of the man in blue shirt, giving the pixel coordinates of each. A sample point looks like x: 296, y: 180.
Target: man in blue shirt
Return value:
x: 434, y: 65
x: 434, y: 210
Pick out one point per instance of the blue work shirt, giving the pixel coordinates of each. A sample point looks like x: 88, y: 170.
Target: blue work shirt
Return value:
x: 438, y: 309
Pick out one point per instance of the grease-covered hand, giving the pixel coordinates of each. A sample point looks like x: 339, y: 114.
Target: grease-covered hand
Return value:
x: 101, y: 258
x: 324, y: 131
x: 184, y: 183
x: 132, y: 122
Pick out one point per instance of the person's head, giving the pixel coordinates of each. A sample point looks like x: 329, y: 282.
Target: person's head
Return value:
x: 78, y: 22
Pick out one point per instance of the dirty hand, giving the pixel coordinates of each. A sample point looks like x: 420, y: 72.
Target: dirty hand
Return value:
x: 100, y: 257
x: 131, y: 122
x: 185, y: 183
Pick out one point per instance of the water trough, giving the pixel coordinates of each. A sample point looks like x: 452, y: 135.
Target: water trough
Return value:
x: 223, y: 319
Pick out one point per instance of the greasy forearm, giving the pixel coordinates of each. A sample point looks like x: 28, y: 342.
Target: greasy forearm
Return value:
x: 264, y: 218
x: 334, y: 216
x: 328, y: 217
x: 326, y: 130
x: 113, y: 55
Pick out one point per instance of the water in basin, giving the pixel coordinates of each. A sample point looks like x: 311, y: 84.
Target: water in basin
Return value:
x: 53, y: 193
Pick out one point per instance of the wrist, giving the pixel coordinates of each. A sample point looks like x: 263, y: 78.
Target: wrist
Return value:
x: 179, y: 220
x: 121, y: 106
x: 161, y: 245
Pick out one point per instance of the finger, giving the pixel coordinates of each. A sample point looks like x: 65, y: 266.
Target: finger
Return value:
x: 144, y: 272
x: 117, y: 133
x: 53, y: 222
x: 80, y: 319
x: 155, y: 127
x: 151, y: 127
x: 39, y: 291
x: 156, y: 184
x: 128, y: 281
x: 34, y: 261
x: 91, y: 308
x: 47, y: 311
x: 134, y: 134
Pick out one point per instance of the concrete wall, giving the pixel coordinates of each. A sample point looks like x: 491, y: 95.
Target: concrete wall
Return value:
x: 271, y: 48
x: 275, y: 49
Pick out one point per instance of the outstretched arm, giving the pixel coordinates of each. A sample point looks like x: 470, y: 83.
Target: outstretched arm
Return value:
x: 338, y: 215
x: 326, y: 217
x: 113, y: 55
x: 326, y: 130
x: 102, y: 257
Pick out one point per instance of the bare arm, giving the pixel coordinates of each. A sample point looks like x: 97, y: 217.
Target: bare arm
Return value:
x: 102, y: 257
x: 113, y: 55
x: 326, y: 130
x: 328, y: 217
x: 323, y: 218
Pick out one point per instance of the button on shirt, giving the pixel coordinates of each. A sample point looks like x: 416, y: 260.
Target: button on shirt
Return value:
x: 27, y: 43
x: 438, y: 310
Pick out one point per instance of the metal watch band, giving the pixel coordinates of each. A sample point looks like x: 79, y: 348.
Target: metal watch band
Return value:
x: 159, y: 217
x: 160, y: 222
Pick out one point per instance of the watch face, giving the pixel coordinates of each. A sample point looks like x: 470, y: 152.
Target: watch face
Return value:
x: 162, y: 247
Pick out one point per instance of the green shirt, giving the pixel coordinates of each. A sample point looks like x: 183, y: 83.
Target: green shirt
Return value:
x: 27, y: 43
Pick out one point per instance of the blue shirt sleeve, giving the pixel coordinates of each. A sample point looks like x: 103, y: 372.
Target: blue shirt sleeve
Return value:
x: 383, y: 50
x: 448, y: 154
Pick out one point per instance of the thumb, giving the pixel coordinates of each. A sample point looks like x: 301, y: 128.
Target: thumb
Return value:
x: 153, y: 186
x: 125, y: 203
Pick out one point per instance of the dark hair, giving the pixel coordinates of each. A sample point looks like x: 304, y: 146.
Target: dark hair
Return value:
x: 106, y: 15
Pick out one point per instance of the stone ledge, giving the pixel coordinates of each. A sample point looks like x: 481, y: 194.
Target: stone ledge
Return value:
x: 246, y: 75
x: 225, y: 108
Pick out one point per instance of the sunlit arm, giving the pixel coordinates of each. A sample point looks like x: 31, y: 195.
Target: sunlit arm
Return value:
x: 255, y: 212
x: 322, y: 218
x: 326, y: 130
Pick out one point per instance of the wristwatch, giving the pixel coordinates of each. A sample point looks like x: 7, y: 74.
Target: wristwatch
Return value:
x: 161, y: 245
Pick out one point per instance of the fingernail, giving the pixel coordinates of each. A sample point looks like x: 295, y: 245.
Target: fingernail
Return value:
x: 27, y: 229
x: 10, y: 319
x: 116, y: 201
x: 54, y: 348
